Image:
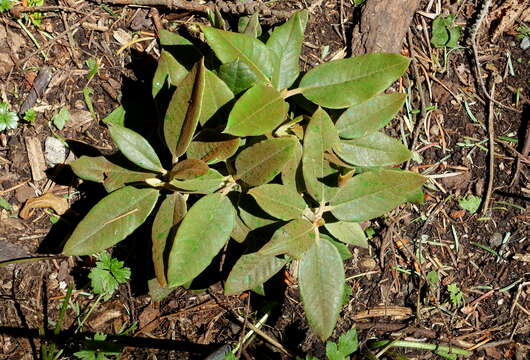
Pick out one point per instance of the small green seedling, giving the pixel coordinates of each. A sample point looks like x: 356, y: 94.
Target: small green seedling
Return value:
x: 8, y: 119
x: 470, y: 203
x: 6, y: 5
x: 247, y: 153
x: 108, y: 274
x: 455, y: 295
x: 93, y: 68
x: 445, y: 33
x: 30, y: 116
x: 99, y: 348
x: 61, y: 118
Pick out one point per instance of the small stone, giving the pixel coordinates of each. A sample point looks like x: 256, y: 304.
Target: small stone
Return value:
x: 495, y: 240
x: 525, y: 43
x: 367, y: 263
x: 54, y: 151
x: 435, y: 130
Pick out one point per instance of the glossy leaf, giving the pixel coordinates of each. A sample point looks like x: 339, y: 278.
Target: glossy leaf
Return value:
x: 291, y: 172
x: 237, y: 76
x: 259, y: 111
x: 170, y: 213
x: 321, y: 281
x: 204, y: 184
x: 252, y: 215
x: 168, y: 38
x: 250, y: 271
x: 111, y: 220
x: 372, y: 194
x: 200, y: 236
x: 229, y: 46
x: 216, y: 95
x: 99, y: 169
x: 211, y: 146
x: 279, y: 201
x: 369, y: 116
x: 348, y: 232
x: 346, y: 82
x: 376, y: 149
x: 135, y: 148
x: 188, y: 169
x: 261, y: 162
x: 184, y: 110
x: 117, y: 116
x: 285, y: 45
x: 294, y: 238
x: 168, y: 69
x: 320, y: 136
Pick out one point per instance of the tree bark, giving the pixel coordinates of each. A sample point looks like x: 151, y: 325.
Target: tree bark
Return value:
x: 383, y: 26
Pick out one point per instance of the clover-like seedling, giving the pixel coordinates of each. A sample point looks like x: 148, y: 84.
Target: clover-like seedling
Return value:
x: 246, y: 156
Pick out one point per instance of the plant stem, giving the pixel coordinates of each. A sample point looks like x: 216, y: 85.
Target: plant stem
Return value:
x: 92, y: 308
x: 422, y: 346
x: 293, y: 92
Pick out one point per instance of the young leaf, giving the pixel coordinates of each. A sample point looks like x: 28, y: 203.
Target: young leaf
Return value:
x: 294, y: 238
x: 229, y: 46
x: 168, y: 69
x: 188, y: 169
x: 369, y: 116
x: 346, y: 82
x: 250, y: 271
x: 111, y: 220
x: 321, y: 282
x: 285, y: 45
x: 184, y: 110
x: 99, y: 169
x: 373, y: 193
x: 348, y: 232
x: 291, y: 172
x: 61, y: 118
x: 237, y: 76
x: 216, y: 94
x: 347, y: 345
x: 320, y: 136
x: 211, y: 146
x: 204, y: 184
x: 201, y: 235
x: 170, y: 213
x: 259, y: 111
x: 261, y: 162
x: 135, y: 148
x: 108, y: 274
x: 376, y: 149
x: 117, y: 116
x: 279, y: 201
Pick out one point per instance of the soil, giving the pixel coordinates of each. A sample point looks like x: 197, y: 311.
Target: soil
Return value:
x: 451, y: 146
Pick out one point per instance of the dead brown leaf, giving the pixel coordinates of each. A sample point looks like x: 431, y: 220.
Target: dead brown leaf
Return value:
x: 508, y: 13
x: 48, y: 200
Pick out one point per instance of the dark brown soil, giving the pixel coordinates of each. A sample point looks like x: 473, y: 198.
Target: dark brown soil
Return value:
x: 436, y: 236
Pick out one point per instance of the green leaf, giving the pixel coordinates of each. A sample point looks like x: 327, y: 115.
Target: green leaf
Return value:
x: 471, y: 203
x: 229, y: 46
x: 168, y: 38
x: 251, y: 214
x: 279, y: 201
x: 117, y: 116
x: 170, y: 213
x: 111, y: 220
x: 261, y: 162
x: 348, y: 232
x: 157, y: 291
x: 168, y: 69
x: 320, y: 136
x: 237, y: 76
x: 342, y: 248
x: 61, y: 118
x: 108, y: 274
x: 346, y: 82
x: 415, y: 196
x: 455, y: 294
x: 184, y: 111
x: 240, y: 230
x: 444, y: 32
x: 348, y: 343
x: 216, y: 95
x: 93, y: 68
x: 8, y: 119
x: 204, y: 184
x: 292, y: 172
x: 30, y: 115
x: 135, y: 148
x: 211, y: 146
x: 369, y: 116
x: 250, y: 271
x: 250, y: 25
x: 99, y: 169
x: 321, y: 282
x: 4, y: 204
x: 259, y: 111
x: 188, y: 169
x: 372, y: 194
x: 376, y: 149
x: 294, y: 238
x: 285, y: 45
x: 201, y: 235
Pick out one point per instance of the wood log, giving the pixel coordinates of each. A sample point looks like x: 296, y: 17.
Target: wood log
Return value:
x: 383, y: 26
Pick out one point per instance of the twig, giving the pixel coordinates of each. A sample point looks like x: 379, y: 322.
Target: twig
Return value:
x: 523, y: 154
x: 247, y: 8
x: 18, y: 10
x: 491, y: 151
x: 474, y: 31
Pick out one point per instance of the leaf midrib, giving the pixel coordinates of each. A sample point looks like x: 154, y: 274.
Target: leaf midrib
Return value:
x: 257, y: 164
x: 253, y: 66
